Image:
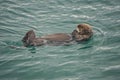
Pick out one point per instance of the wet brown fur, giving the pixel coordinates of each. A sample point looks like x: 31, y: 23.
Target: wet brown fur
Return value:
x: 83, y: 32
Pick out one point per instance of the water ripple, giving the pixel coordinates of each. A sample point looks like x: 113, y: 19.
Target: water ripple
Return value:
x: 95, y: 59
x: 112, y: 67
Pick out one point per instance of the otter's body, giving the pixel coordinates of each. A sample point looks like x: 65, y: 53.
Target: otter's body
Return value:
x: 58, y: 37
x: 83, y: 32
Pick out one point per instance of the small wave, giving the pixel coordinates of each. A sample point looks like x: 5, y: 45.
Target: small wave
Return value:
x: 69, y: 62
x: 112, y: 67
x: 85, y: 7
x: 82, y: 16
x: 32, y: 63
x: 106, y: 48
x: 111, y: 7
x: 7, y: 2
x: 17, y: 47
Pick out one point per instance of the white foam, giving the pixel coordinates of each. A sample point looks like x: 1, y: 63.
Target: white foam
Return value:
x: 83, y: 7
x: 106, y: 48
x: 110, y: 7
x: 70, y: 62
x: 82, y: 16
x: 112, y: 67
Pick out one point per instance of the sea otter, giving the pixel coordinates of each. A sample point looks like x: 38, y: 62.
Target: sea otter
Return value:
x: 81, y: 33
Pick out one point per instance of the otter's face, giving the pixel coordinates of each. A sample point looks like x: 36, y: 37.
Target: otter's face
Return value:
x: 82, y: 32
x: 84, y: 29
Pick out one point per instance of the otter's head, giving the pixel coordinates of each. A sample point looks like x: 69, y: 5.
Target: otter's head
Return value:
x: 82, y: 32
x: 28, y: 38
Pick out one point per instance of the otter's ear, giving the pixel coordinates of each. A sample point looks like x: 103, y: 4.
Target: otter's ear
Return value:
x: 29, y: 37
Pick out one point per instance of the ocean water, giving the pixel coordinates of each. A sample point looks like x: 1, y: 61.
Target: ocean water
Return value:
x: 96, y: 59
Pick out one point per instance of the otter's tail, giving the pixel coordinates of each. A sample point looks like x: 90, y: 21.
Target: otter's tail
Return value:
x: 28, y: 38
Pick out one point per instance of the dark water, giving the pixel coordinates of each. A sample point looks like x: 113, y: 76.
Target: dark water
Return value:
x: 96, y: 59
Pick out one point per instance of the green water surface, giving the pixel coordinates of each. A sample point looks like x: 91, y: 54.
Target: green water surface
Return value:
x: 96, y: 59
